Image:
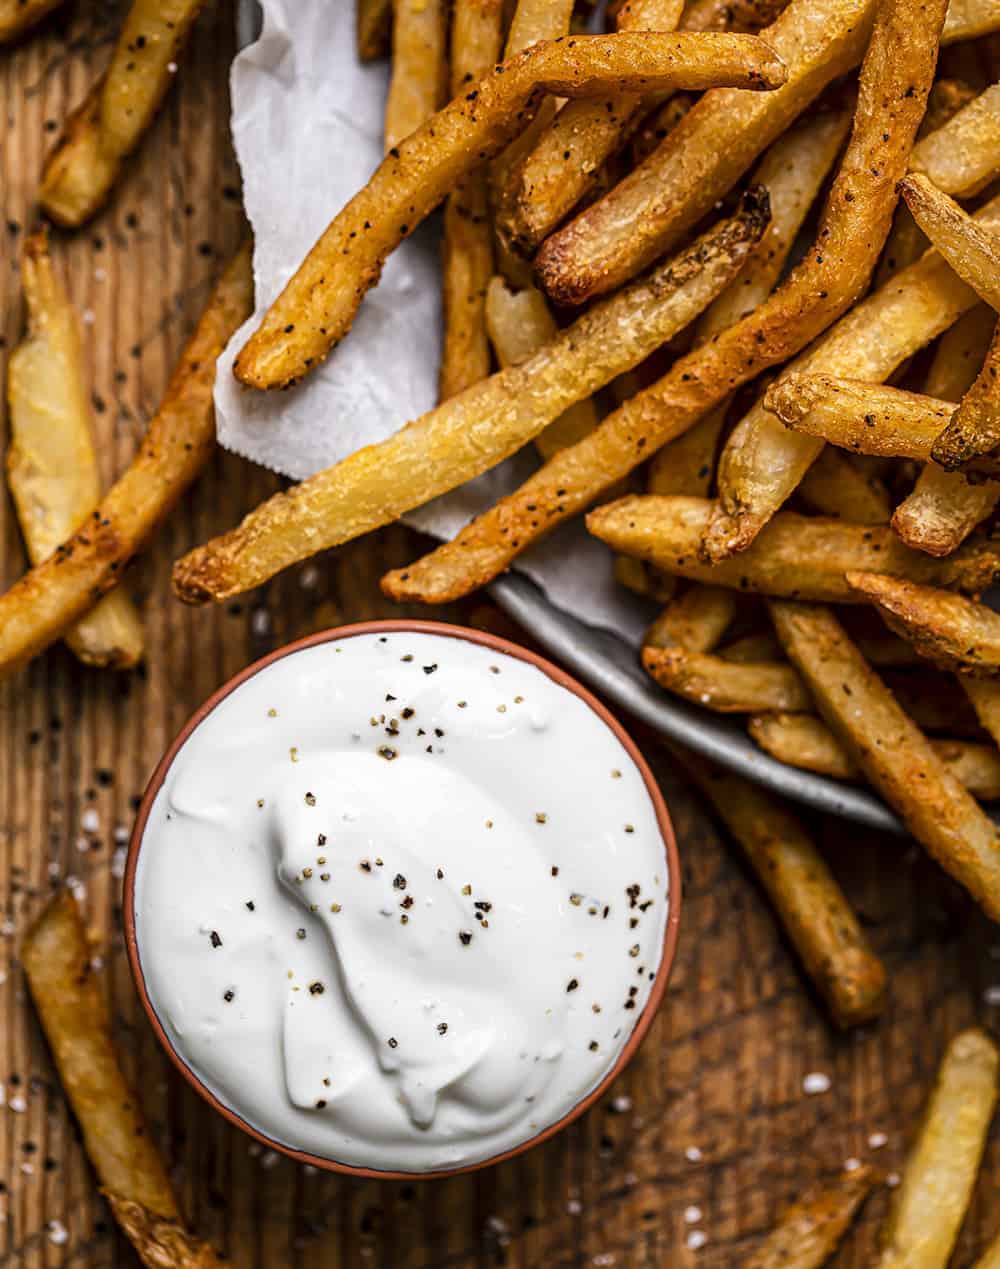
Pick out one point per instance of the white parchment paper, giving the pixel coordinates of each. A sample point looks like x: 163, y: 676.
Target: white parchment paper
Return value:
x: 307, y: 126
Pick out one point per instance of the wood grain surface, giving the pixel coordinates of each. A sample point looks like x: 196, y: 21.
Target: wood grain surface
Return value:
x: 692, y: 1155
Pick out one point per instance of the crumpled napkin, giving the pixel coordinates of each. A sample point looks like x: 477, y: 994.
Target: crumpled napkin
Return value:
x: 307, y: 127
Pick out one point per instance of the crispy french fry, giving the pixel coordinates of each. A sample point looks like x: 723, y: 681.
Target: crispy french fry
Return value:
x: 805, y: 741
x: 565, y: 162
x: 944, y: 507
x: 373, y: 28
x: 179, y: 441
x: 18, y: 16
x: 975, y: 427
x: 57, y: 962
x: 701, y: 159
x: 972, y: 249
x: 894, y: 754
x: 51, y: 462
x: 798, y: 310
x: 835, y: 486
x: 727, y: 687
x: 969, y: 19
x: 467, y: 251
x: 810, y: 904
x: 731, y: 15
x: 475, y: 430
x: 419, y: 57
x: 962, y: 157
x: 110, y: 122
x: 697, y: 620
x: 656, y: 126
x: 642, y: 579
x: 940, y: 1174
x: 687, y: 465
x: 536, y: 20
x: 763, y: 462
x: 797, y: 556
x: 809, y: 1232
x: 519, y: 324
x: 317, y: 307
x: 953, y: 632
x: 866, y: 418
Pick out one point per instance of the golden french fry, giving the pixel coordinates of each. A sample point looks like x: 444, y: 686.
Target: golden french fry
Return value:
x: 866, y: 418
x: 658, y: 125
x: 731, y: 15
x: 975, y: 428
x: 18, y: 16
x: 969, y: 19
x: 763, y: 462
x: 696, y: 620
x: 940, y: 1174
x: 896, y: 757
x: 795, y: 556
x: 57, y: 963
x: 467, y: 250
x: 687, y: 465
x: 798, y: 310
x: 109, y: 124
x: 648, y: 211
x: 179, y: 441
x: 534, y: 21
x: 475, y: 430
x: 419, y: 66
x: 727, y: 687
x: 317, y: 307
x: 519, y: 324
x: 971, y: 248
x: 810, y: 904
x: 51, y: 462
x: 809, y: 1232
x: 805, y: 741
x: 566, y: 160
x: 962, y: 157
x: 944, y: 507
x: 953, y: 632
x: 373, y: 28
x: 835, y: 486
x: 984, y: 695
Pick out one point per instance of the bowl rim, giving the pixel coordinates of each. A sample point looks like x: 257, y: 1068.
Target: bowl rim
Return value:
x: 499, y: 644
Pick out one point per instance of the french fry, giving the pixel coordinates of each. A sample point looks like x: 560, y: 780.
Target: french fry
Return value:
x: 43, y: 604
x: 565, y: 162
x: 697, y: 620
x: 18, y: 16
x: 809, y: 903
x: 534, y: 21
x: 519, y: 324
x: 984, y: 696
x: 648, y: 211
x: 863, y: 417
x: 373, y: 28
x: 797, y: 311
x: 805, y: 741
x: 962, y: 157
x: 731, y: 15
x: 475, y: 430
x: 835, y: 486
x: 929, y: 697
x: 317, y: 307
x: 809, y: 1232
x: 467, y: 251
x: 726, y: 687
x: 110, y: 122
x: 975, y: 427
x: 896, y: 757
x: 687, y: 465
x: 944, y: 507
x: 970, y: 19
x: 971, y: 248
x: 940, y: 1174
x: 753, y: 647
x: 953, y: 632
x: 763, y: 462
x: 51, y: 462
x: 417, y: 83
x: 641, y: 579
x: 991, y: 1258
x: 656, y: 126
x: 796, y: 556
x: 57, y: 962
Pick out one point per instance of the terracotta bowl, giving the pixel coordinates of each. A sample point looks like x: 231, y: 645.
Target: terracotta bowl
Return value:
x: 642, y: 1024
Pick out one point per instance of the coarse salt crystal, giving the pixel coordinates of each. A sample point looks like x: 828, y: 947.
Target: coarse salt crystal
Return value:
x: 83, y: 845
x: 8, y: 929
x: 57, y: 1233
x: 692, y: 1215
x: 877, y: 1140
x: 992, y: 995
x: 816, y: 1082
x: 27, y: 1169
x: 97, y: 963
x: 892, y: 1180
x: 172, y: 68
x: 574, y: 1207
x: 260, y: 622
x: 309, y: 1170
x: 693, y: 1154
x: 88, y: 317
x: 603, y: 1258
x: 121, y: 834
x: 118, y: 862
x: 621, y: 1104
x: 90, y: 821
x: 852, y: 1165
x: 269, y: 1159
x: 309, y: 577
x: 697, y: 1239
x: 100, y: 275
x: 54, y: 870
x: 496, y: 1225
x: 17, y: 1104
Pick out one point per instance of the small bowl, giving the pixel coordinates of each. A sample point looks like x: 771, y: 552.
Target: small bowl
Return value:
x: 558, y: 676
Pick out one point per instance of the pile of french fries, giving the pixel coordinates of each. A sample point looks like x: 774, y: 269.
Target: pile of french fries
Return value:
x: 733, y: 269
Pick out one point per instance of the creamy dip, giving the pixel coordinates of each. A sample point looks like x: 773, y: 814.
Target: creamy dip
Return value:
x: 400, y: 901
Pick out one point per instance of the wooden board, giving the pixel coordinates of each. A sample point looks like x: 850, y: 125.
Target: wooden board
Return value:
x: 709, y: 1130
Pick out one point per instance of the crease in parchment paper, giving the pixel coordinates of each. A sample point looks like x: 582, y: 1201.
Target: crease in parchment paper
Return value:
x: 307, y: 127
